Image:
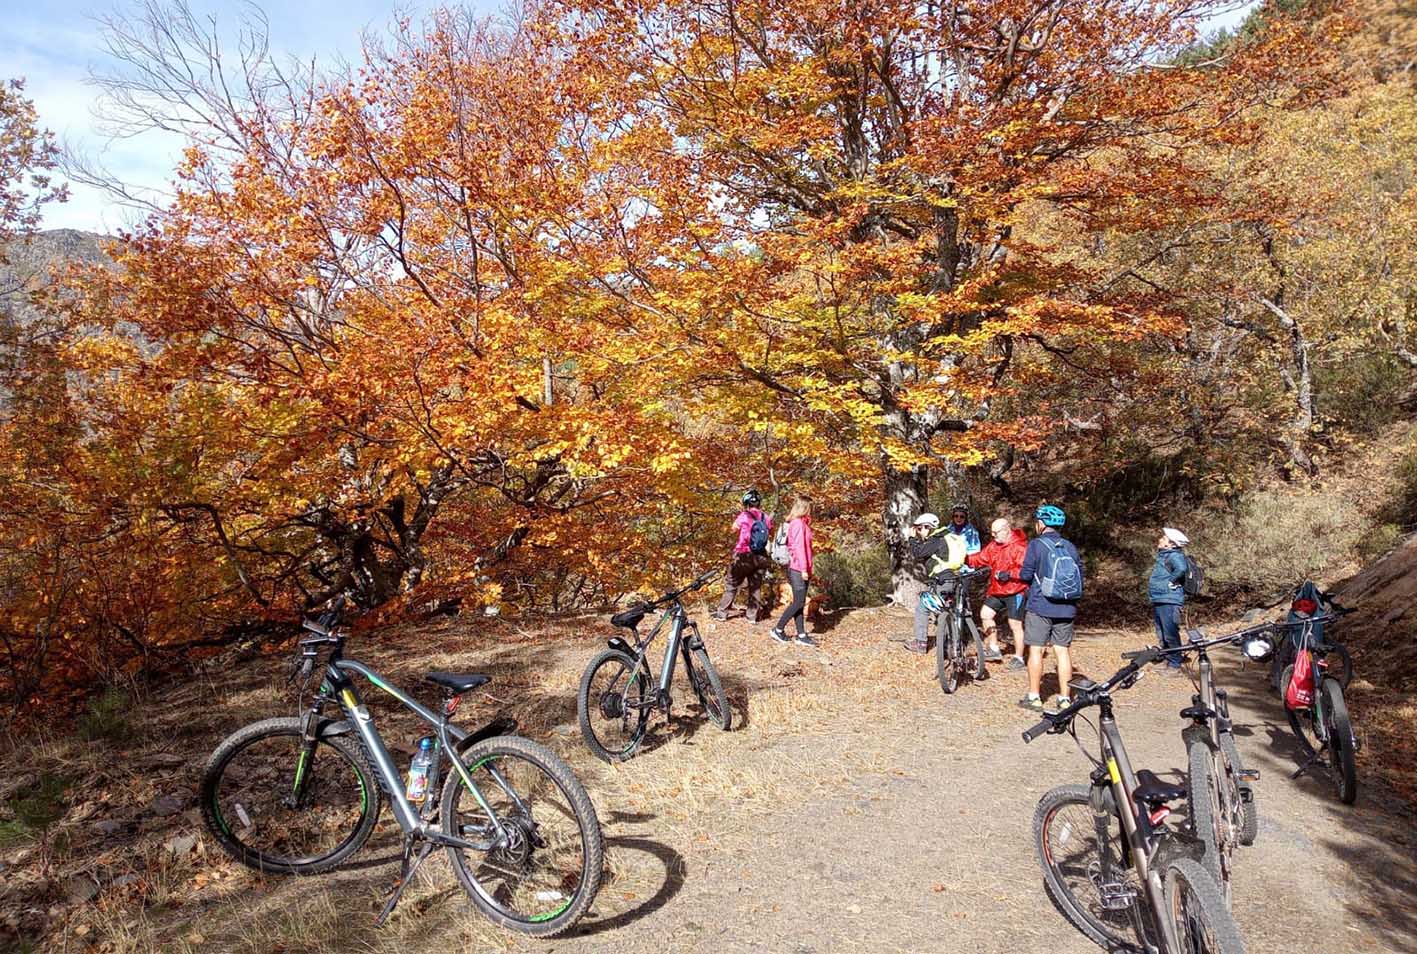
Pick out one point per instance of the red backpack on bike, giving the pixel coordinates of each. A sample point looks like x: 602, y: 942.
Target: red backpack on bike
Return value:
x: 1299, y: 694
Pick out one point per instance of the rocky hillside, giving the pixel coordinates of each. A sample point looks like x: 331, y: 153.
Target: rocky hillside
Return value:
x: 1383, y: 630
x: 25, y: 262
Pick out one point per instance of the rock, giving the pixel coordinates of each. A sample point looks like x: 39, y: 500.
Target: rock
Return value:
x: 108, y: 827
x: 81, y: 890
x: 161, y: 760
x: 181, y: 844
x: 123, y: 880
x: 165, y: 805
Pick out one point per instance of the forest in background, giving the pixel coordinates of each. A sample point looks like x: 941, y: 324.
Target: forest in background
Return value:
x: 509, y: 315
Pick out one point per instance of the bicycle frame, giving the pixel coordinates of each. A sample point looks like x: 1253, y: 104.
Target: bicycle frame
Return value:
x: 679, y: 623
x: 337, y: 686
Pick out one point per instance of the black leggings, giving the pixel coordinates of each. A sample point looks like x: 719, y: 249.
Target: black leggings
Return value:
x: 795, y: 609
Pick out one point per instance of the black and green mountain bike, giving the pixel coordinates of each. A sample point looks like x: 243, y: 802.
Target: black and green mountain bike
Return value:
x: 301, y: 795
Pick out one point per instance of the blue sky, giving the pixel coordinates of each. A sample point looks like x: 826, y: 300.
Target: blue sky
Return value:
x: 54, y: 44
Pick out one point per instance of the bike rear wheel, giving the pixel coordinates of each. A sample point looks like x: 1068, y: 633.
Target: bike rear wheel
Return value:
x: 543, y: 874
x: 277, y: 806
x: 1082, y: 855
x: 707, y: 686
x: 947, y: 656
x: 1342, y: 745
x: 1208, y: 814
x: 1198, y: 916
x: 611, y: 706
x: 1249, y: 808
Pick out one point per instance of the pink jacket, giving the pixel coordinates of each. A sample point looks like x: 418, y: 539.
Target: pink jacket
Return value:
x: 799, y: 545
x: 744, y: 523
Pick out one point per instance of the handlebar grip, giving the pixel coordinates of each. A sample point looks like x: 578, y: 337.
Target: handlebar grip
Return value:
x: 307, y: 667
x: 1041, y: 728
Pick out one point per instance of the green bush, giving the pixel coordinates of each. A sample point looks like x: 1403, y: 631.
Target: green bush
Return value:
x: 1379, y: 541
x: 1402, y: 509
x: 34, y: 808
x: 854, y: 576
x: 107, y: 717
x: 1361, y: 393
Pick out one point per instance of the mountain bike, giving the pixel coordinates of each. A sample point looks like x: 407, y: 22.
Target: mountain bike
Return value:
x: 300, y: 795
x: 1220, y: 788
x: 617, y: 693
x: 956, y: 619
x: 1324, y: 727
x: 1338, y: 660
x: 1118, y: 873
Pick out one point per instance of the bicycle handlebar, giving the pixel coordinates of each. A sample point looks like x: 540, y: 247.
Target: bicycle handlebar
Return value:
x: 1123, y: 677
x: 673, y: 595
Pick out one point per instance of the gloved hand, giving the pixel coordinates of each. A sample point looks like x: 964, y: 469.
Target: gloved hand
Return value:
x: 1003, y: 576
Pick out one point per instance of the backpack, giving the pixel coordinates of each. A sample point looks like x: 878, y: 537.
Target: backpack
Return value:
x: 1194, y: 580
x: 780, y: 554
x: 758, y: 535
x: 1061, y: 577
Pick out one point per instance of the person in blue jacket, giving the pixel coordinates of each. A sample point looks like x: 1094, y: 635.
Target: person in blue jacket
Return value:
x: 959, y: 523
x: 1165, y: 588
x: 1050, y: 562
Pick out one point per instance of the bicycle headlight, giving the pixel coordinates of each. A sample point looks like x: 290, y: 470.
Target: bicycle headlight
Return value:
x: 1258, y: 647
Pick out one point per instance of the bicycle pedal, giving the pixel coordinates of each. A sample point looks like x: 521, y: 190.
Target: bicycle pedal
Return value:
x: 1116, y: 896
x: 1248, y: 775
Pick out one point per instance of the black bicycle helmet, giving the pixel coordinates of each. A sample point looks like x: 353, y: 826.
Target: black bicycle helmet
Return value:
x: 960, y: 508
x: 752, y: 498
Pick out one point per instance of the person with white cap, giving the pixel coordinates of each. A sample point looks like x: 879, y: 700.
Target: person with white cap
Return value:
x: 940, y: 551
x: 1167, y: 592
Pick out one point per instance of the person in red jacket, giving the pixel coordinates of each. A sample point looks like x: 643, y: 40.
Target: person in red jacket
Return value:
x: 1003, y: 554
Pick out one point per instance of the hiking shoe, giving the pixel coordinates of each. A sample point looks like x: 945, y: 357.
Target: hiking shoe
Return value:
x: 779, y: 635
x: 1031, y: 702
x: 919, y: 648
x: 804, y: 640
x: 1060, y: 703
x: 993, y: 655
x: 721, y: 617
x: 1016, y: 664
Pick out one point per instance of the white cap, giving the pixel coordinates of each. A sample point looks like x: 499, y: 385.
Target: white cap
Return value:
x: 927, y: 520
x: 1176, y: 536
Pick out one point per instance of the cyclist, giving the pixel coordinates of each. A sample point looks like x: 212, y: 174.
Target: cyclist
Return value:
x: 941, y: 552
x: 750, y: 558
x: 959, y: 523
x: 1003, y: 554
x: 1052, y: 569
x: 1167, y: 594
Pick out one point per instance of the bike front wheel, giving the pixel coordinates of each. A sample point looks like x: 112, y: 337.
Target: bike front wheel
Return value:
x: 947, y: 657
x: 1085, y: 868
x: 1197, y: 914
x: 543, y: 862
x: 707, y: 686
x: 278, y: 804
x: 1301, y: 721
x: 1342, y: 744
x: 611, y: 706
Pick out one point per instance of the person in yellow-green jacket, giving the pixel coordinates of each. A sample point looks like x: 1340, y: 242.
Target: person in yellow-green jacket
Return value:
x: 940, y: 552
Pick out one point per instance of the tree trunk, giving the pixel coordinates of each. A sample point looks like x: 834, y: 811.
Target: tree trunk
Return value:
x: 906, y: 493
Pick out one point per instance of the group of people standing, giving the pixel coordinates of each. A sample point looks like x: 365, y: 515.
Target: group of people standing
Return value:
x: 1034, y: 585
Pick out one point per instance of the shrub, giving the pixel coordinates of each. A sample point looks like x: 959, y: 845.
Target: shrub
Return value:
x: 1402, y: 509
x: 34, y: 808
x: 854, y: 576
x: 107, y: 717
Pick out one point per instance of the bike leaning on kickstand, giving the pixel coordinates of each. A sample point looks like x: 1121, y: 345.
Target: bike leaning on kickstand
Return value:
x: 1122, y: 876
x: 1323, y: 727
x: 617, y: 693
x: 301, y: 795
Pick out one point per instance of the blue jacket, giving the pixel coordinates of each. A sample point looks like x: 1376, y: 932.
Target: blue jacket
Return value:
x: 1164, y: 588
x: 1034, y: 559
x: 971, y: 536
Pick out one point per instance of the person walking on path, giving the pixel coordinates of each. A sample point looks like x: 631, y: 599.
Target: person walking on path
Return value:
x: 941, y: 552
x: 798, y: 539
x: 959, y: 523
x: 1003, y: 554
x: 1052, y: 569
x: 1166, y: 589
x: 749, y: 563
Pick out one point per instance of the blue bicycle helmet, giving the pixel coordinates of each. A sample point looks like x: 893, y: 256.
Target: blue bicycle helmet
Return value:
x: 1050, y: 515
x: 932, y: 602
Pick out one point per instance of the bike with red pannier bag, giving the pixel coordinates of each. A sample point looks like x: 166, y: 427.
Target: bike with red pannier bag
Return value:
x: 1317, y: 711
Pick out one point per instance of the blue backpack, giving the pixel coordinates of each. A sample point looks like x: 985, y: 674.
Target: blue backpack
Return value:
x: 758, y: 535
x: 1060, y: 577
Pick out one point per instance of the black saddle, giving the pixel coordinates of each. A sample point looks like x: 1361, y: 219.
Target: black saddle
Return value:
x: 1199, y: 713
x: 1153, y: 793
x: 458, y: 681
x: 630, y: 618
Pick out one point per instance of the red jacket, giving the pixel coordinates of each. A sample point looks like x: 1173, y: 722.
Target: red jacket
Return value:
x: 1003, y: 556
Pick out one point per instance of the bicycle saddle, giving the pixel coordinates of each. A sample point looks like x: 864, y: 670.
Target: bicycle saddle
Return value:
x: 458, y: 681
x: 1198, y: 712
x: 630, y: 618
x: 1152, y: 792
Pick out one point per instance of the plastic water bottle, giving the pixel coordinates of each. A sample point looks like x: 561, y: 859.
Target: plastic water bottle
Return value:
x: 418, y: 771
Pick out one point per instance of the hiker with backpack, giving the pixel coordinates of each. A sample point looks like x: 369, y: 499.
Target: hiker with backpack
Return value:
x: 749, y: 563
x: 1166, y: 588
x: 1052, y: 568
x: 792, y: 548
x: 940, y: 552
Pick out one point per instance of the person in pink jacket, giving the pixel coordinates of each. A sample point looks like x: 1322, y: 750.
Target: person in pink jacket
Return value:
x: 799, y: 572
